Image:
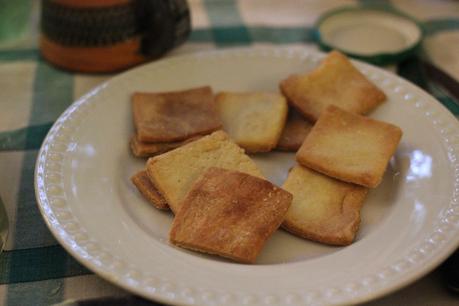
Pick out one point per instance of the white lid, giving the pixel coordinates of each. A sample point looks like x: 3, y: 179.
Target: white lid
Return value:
x: 368, y: 32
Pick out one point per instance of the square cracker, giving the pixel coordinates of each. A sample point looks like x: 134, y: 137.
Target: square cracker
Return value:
x: 253, y: 120
x: 174, y: 172
x: 230, y: 214
x: 334, y: 82
x: 174, y: 116
x: 148, y: 190
x: 148, y: 149
x: 349, y: 147
x: 295, y: 131
x: 323, y: 209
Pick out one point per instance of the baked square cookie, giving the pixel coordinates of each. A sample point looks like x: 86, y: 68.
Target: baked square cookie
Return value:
x: 334, y: 82
x: 148, y: 149
x: 174, y: 116
x: 295, y: 131
x: 323, y: 209
x: 253, y: 120
x: 148, y: 190
x: 230, y: 214
x: 349, y: 147
x: 173, y: 173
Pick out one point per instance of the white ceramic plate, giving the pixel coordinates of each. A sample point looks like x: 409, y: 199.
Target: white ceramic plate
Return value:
x: 410, y: 223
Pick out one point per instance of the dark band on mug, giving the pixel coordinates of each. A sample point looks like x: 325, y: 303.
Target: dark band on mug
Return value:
x: 161, y: 24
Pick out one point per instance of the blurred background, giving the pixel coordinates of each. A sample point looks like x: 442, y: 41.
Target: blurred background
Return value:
x: 39, y: 80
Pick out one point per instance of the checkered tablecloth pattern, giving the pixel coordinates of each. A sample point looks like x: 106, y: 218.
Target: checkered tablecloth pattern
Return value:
x: 34, y: 268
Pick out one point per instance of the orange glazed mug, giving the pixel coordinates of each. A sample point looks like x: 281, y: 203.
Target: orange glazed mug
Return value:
x: 110, y: 35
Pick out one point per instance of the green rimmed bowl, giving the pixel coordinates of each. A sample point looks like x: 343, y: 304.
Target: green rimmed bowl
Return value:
x: 373, y: 35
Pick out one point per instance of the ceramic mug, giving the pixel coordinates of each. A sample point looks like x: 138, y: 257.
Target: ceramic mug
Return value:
x: 110, y: 35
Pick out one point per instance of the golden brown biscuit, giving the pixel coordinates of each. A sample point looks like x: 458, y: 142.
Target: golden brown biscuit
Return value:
x: 334, y: 82
x: 148, y: 190
x: 148, y: 149
x: 174, y: 172
x: 174, y: 116
x: 295, y: 131
x: 253, y: 120
x: 230, y: 214
x: 323, y: 209
x: 349, y: 147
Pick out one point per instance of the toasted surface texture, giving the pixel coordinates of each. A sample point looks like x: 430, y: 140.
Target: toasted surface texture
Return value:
x: 349, y: 147
x: 148, y: 149
x: 253, y: 120
x: 295, y: 131
x: 229, y: 213
x: 334, y: 82
x: 174, y: 172
x: 323, y: 209
x: 148, y: 190
x: 174, y: 116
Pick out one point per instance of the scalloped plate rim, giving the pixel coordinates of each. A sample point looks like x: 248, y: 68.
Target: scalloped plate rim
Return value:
x: 49, y: 215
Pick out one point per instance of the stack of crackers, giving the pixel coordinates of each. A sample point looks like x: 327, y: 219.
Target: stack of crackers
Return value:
x: 223, y: 205
x: 165, y: 121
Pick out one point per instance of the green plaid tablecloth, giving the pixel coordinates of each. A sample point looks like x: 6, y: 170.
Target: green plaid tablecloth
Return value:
x: 34, y: 268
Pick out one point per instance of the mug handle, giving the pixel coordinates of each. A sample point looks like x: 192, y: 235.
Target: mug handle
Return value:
x: 164, y: 25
